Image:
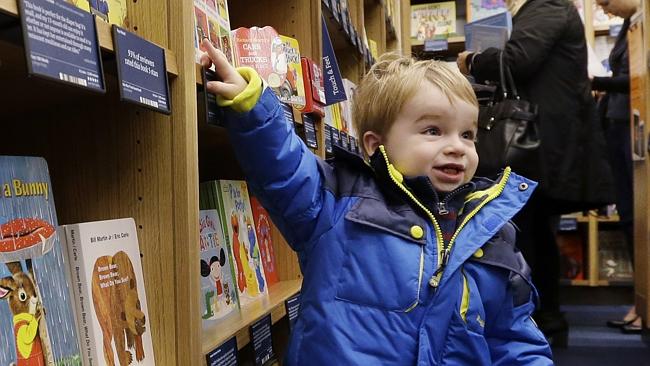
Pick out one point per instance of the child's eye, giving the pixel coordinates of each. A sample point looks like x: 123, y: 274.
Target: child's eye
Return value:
x: 433, y: 131
x: 469, y: 135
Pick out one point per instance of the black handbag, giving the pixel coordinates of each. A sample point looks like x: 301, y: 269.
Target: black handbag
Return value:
x: 507, y: 130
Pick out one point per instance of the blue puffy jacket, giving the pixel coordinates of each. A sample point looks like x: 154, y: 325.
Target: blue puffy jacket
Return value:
x: 368, y: 250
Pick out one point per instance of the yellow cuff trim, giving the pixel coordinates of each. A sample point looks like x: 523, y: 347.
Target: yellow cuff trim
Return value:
x: 246, y: 100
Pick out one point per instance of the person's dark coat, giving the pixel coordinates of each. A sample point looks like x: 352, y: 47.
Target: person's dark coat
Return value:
x: 616, y: 103
x: 547, y: 55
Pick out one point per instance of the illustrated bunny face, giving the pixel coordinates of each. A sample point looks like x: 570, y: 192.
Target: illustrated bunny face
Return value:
x: 20, y: 292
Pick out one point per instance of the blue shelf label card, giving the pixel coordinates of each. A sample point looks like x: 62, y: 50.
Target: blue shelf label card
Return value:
x: 353, y: 145
x: 336, y: 136
x: 288, y: 113
x: 345, y: 142
x: 292, y: 305
x: 432, y: 45
x: 212, y: 111
x: 310, y: 131
x: 262, y: 342
x: 328, y: 139
x: 224, y: 355
x: 568, y: 224
x: 61, y: 43
x: 141, y: 71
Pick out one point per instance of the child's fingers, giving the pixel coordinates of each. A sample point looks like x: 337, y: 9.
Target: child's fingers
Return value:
x: 221, y: 65
x: 205, y: 60
x: 228, y: 91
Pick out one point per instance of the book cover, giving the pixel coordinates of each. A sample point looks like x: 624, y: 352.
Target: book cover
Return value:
x: 242, y: 240
x: 111, y: 302
x: 483, y: 36
x: 36, y: 314
x: 276, y: 58
x: 112, y: 11
x: 314, y: 88
x: 613, y: 256
x: 431, y: 20
x: 572, y: 264
x: 263, y: 222
x: 213, y: 22
x: 81, y: 4
x: 218, y: 293
x: 502, y: 19
x: 479, y: 9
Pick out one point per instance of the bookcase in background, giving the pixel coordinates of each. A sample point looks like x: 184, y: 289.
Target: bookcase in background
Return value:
x: 109, y: 159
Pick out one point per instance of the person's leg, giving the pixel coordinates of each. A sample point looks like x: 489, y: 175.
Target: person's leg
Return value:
x: 536, y: 240
x: 620, y: 157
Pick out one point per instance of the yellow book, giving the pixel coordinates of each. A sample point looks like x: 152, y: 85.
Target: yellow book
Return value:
x: 429, y: 21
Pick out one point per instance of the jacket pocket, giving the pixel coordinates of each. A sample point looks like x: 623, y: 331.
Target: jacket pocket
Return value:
x: 381, y: 270
x: 471, y: 305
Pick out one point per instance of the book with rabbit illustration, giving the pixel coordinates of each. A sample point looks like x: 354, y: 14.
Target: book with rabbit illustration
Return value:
x: 218, y: 293
x: 36, y: 316
x: 239, y: 229
x: 109, y: 292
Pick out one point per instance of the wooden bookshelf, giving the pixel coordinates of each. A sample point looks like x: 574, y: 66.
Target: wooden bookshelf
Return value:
x: 109, y: 159
x: 238, y: 323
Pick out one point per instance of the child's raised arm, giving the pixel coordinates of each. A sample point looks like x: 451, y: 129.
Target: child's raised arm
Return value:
x: 279, y: 168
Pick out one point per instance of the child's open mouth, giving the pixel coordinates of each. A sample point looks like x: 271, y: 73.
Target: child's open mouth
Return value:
x: 450, y: 172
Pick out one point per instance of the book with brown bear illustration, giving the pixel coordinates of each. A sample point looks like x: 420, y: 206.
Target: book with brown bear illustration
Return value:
x: 110, y: 299
x: 36, y: 316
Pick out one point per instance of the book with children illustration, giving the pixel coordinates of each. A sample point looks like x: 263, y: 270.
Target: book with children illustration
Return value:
x: 218, y: 293
x: 276, y: 58
x: 263, y: 229
x: 36, y: 316
x: 429, y: 21
x: 212, y: 21
x: 244, y: 247
x: 108, y: 286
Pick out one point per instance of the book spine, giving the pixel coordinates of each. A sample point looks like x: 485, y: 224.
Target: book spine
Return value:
x: 81, y: 296
x: 218, y: 200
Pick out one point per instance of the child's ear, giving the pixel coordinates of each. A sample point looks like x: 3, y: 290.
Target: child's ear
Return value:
x: 371, y: 141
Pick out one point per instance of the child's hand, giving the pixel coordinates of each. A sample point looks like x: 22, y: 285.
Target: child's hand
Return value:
x: 232, y: 83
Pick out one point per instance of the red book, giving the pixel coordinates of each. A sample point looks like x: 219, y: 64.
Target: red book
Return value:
x: 314, y: 88
x: 263, y: 230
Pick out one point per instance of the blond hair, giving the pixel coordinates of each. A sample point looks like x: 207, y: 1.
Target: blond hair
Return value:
x: 393, y: 80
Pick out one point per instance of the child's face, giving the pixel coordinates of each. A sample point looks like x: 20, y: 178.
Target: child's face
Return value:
x: 434, y: 138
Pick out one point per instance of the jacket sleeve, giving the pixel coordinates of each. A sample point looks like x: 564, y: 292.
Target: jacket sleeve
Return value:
x: 533, y: 38
x: 280, y: 170
x: 514, y: 338
x: 617, y: 84
x: 511, y: 334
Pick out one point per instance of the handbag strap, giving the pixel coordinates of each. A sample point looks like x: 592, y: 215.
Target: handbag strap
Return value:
x: 507, y: 81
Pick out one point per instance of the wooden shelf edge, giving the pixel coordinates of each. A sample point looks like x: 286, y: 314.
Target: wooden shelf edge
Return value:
x: 104, y: 35
x: 237, y: 324
x: 598, y: 283
x: 583, y: 218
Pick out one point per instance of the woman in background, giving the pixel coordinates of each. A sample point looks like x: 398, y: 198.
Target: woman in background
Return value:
x: 547, y: 54
x: 614, y: 108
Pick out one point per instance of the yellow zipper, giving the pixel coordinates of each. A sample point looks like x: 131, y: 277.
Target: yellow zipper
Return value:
x: 392, y: 171
x: 492, y: 193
